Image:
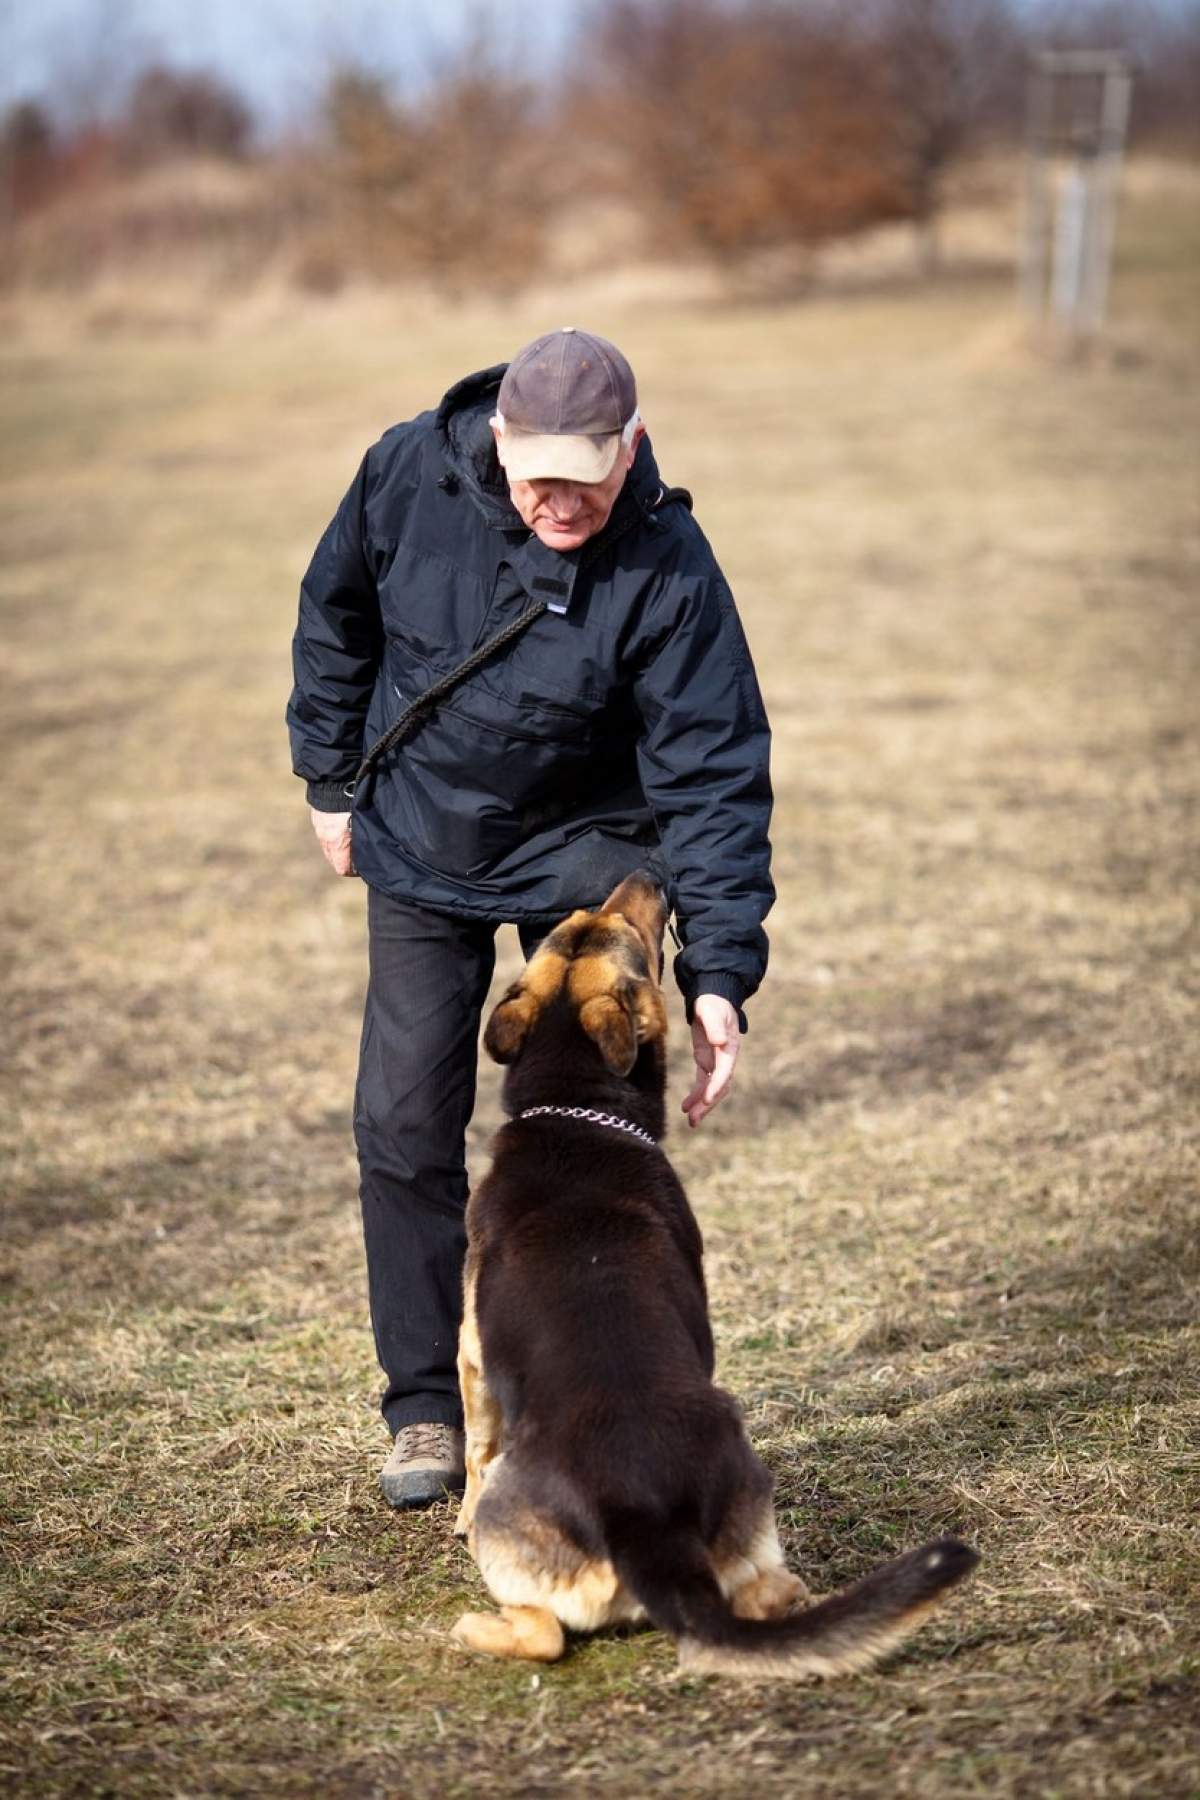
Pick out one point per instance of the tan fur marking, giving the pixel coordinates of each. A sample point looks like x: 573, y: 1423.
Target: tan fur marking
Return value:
x: 544, y: 974
x: 588, y: 1600
x: 599, y: 982
x: 520, y: 1631
x: 769, y: 1595
x: 514, y: 1017
x: 594, y: 977
x: 651, y: 1013
x: 481, y: 1414
x: 610, y: 1025
x: 532, y: 1564
x: 643, y: 908
x: 754, y: 1577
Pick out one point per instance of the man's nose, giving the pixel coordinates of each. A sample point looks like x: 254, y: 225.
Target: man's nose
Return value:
x: 564, y: 501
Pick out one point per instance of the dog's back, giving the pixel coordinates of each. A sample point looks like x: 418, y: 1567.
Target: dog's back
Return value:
x: 592, y: 1314
x: 608, y: 1478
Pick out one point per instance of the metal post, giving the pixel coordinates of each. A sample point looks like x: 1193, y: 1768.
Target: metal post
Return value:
x: 1069, y: 221
x: 1070, y: 242
x: 1114, y: 121
x: 1037, y: 192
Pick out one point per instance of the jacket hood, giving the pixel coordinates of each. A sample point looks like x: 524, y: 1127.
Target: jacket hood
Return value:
x: 466, y: 442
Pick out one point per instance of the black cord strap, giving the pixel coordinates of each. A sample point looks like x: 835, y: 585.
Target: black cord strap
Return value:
x: 413, y: 715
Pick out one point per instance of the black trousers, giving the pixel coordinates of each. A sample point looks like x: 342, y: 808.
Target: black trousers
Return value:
x: 429, y: 977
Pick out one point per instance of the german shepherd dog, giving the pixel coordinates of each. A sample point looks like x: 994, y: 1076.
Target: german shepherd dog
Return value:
x: 608, y: 1480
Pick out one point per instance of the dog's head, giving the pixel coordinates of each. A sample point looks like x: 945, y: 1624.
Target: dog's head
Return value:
x: 604, y: 965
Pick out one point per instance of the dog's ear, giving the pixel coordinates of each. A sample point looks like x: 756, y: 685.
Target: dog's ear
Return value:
x: 516, y: 1015
x: 510, y: 1024
x: 610, y: 1022
x: 650, y: 1013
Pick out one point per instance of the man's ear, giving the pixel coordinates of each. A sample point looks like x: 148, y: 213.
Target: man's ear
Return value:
x: 510, y: 1024
x: 610, y: 1023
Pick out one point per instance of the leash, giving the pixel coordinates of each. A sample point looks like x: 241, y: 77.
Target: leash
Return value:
x: 415, y: 714
x: 592, y: 1117
x: 418, y: 711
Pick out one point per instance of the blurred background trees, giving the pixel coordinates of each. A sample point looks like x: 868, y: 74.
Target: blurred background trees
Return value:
x: 450, y: 185
x: 742, y: 129
x: 731, y: 132
x: 171, y: 113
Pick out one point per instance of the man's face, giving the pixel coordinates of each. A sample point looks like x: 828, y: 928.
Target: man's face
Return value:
x: 565, y: 514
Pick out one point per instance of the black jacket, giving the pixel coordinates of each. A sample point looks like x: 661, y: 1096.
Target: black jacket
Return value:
x: 625, y: 729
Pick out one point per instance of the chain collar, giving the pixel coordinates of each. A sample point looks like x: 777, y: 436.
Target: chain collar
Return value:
x: 593, y: 1118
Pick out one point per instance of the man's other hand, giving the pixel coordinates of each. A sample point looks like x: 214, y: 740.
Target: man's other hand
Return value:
x: 716, y: 1039
x: 333, y: 835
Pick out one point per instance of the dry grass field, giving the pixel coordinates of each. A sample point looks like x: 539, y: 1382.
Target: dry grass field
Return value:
x: 950, y: 1213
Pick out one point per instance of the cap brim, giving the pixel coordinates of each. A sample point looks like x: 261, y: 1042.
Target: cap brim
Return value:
x: 534, y: 456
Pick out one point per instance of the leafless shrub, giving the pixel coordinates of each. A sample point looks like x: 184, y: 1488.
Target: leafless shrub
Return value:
x: 747, y: 132
x: 29, y: 158
x: 448, y: 187
x: 741, y: 131
x: 172, y: 114
x: 954, y: 73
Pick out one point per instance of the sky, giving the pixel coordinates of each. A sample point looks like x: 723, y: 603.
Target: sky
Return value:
x: 277, y: 52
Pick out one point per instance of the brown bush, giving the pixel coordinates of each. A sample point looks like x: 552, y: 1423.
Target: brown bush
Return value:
x: 171, y: 113
x: 450, y: 188
x: 954, y: 70
x: 744, y: 131
x: 29, y: 158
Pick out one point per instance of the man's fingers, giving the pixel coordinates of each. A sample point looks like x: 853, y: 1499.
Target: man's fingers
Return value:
x: 336, y: 852
x: 706, y: 1099
x: 709, y: 1090
x: 697, y: 1091
x: 333, y: 835
x: 722, y: 1076
x: 716, y: 1041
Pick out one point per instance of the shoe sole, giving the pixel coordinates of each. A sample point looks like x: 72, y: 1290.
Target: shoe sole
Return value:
x: 425, y: 1488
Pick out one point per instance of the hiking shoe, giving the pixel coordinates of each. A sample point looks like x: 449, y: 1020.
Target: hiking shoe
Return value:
x: 426, y: 1464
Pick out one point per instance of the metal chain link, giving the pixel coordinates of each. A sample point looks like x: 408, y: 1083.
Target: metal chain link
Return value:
x: 593, y: 1117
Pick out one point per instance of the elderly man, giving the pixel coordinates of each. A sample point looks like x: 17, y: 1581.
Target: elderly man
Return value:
x: 619, y: 725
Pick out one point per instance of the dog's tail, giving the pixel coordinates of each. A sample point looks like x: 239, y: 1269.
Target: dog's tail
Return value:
x: 670, y: 1573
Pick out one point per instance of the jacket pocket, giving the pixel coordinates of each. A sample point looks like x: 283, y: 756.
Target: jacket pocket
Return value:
x: 479, y: 775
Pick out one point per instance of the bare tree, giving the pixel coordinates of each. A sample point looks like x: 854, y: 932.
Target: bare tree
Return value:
x: 449, y: 184
x: 172, y: 113
x: 952, y: 66
x: 747, y: 129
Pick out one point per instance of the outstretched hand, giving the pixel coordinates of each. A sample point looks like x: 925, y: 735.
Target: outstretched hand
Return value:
x: 716, y: 1039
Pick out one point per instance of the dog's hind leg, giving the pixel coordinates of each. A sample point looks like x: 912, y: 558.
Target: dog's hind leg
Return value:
x: 758, y: 1583
x: 481, y: 1414
x: 529, y: 1632
x: 770, y: 1594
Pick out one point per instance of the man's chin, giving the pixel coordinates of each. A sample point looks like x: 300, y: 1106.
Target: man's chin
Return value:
x: 560, y: 540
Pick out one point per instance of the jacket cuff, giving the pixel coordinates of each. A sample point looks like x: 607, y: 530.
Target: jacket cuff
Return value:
x: 728, y: 987
x: 329, y: 796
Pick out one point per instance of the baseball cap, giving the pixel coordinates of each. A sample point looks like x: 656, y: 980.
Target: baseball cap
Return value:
x: 564, y: 402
